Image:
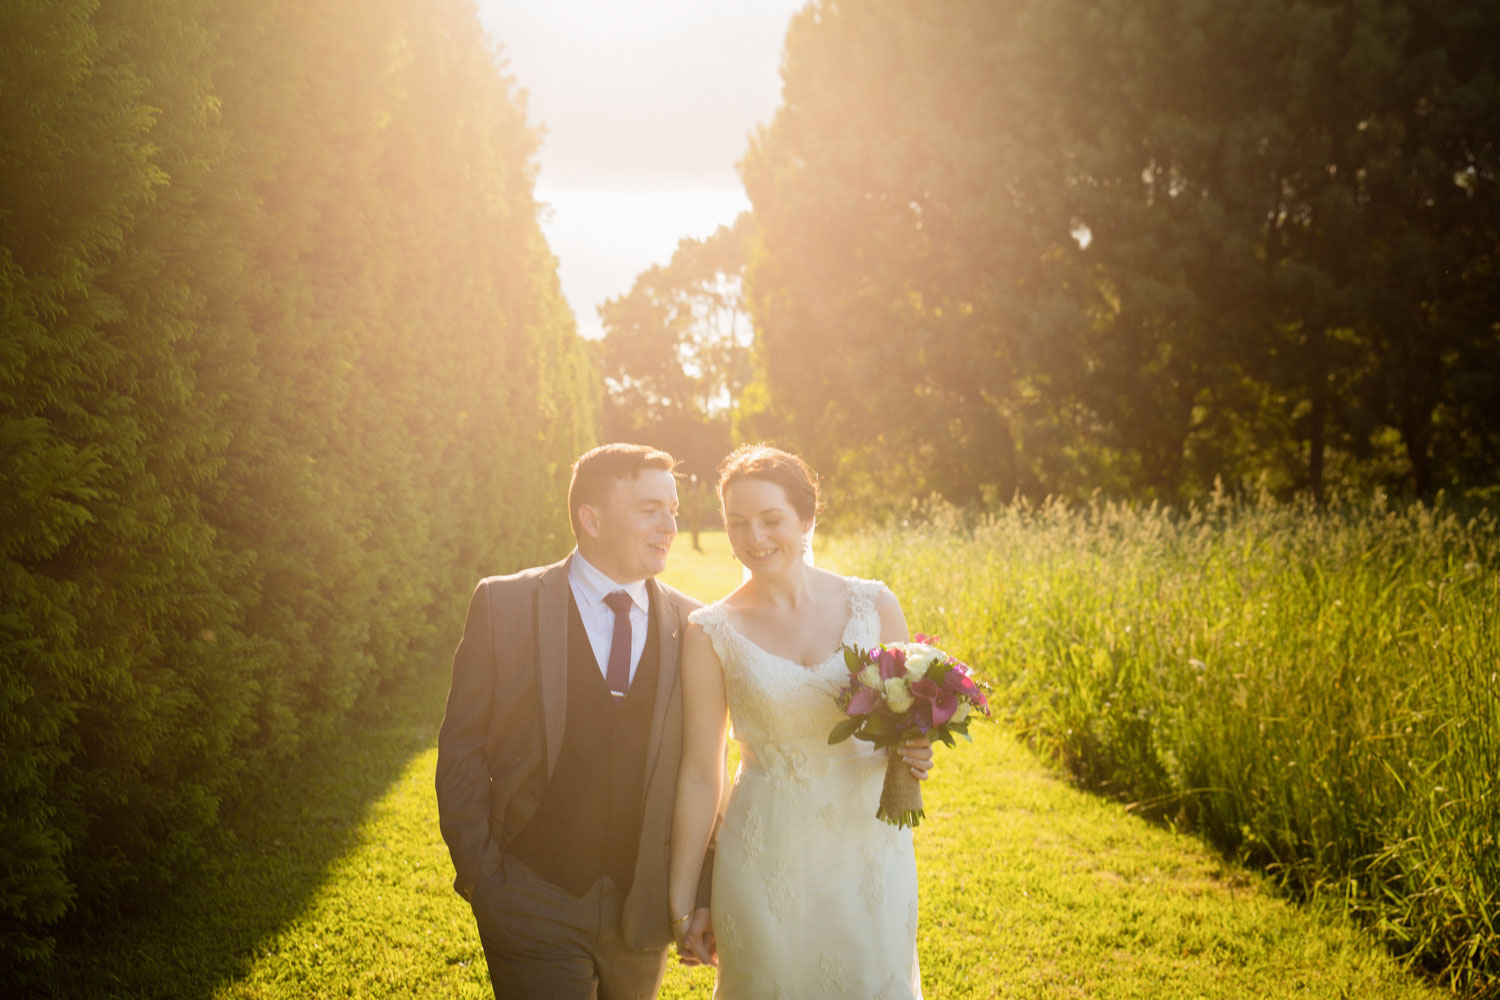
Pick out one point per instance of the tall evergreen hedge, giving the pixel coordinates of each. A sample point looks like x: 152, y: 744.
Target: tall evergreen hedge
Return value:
x: 284, y: 366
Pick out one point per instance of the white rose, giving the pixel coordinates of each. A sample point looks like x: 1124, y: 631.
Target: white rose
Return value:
x: 870, y: 677
x: 920, y: 659
x: 898, y: 695
x: 961, y: 713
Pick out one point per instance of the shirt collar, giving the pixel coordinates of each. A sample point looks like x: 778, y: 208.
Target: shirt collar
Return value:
x: 593, y: 584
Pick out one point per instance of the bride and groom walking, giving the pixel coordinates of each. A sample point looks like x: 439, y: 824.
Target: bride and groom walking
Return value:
x: 581, y: 757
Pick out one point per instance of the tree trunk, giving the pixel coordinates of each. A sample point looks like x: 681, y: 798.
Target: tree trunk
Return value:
x: 1417, y: 435
x: 1317, y: 432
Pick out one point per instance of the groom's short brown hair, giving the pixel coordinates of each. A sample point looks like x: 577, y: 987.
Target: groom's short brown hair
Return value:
x: 597, y: 470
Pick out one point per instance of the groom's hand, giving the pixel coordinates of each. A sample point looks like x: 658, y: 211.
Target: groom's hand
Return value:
x: 697, y: 946
x: 916, y: 751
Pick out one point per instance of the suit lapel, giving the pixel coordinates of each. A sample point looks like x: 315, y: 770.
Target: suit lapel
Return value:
x: 552, y: 656
x: 669, y: 639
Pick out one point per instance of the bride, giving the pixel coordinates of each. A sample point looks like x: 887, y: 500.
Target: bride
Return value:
x: 812, y: 895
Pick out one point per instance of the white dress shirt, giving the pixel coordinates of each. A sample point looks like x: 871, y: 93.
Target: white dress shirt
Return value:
x: 590, y: 586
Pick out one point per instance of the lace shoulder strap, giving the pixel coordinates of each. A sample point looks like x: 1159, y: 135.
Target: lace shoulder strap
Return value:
x: 864, y: 619
x: 714, y: 619
x: 710, y: 617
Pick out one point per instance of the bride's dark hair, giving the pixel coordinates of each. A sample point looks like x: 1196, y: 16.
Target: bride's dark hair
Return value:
x: 762, y: 461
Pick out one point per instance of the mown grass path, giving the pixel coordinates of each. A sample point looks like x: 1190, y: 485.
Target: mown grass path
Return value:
x: 340, y: 887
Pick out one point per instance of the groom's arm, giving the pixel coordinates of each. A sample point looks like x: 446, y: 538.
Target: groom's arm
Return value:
x: 463, y: 774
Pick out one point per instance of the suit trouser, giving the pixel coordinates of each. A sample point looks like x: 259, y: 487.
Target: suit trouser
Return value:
x: 544, y: 943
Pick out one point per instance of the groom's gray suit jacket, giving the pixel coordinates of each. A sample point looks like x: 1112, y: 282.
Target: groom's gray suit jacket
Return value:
x: 503, y: 730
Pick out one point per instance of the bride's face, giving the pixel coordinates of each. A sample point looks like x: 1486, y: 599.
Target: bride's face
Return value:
x: 764, y: 529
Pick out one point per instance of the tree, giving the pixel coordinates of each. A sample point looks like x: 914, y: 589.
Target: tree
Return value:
x: 899, y: 250
x: 675, y: 354
x: 284, y: 367
x: 1138, y: 246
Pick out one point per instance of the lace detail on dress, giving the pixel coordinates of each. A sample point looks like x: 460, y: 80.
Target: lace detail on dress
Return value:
x: 834, y: 972
x: 782, y: 763
x: 714, y: 619
x: 872, y: 886
x: 779, y: 893
x: 862, y: 595
x: 727, y: 931
x: 752, y: 838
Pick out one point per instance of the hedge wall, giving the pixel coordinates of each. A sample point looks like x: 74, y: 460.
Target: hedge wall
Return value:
x: 284, y: 368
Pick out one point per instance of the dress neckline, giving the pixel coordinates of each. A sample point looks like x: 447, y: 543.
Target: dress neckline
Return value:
x: 809, y: 667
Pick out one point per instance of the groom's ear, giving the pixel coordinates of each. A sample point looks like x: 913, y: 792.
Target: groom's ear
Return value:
x: 588, y: 519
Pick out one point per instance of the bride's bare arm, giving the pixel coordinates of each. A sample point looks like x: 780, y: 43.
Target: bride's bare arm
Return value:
x: 700, y: 782
x: 916, y: 751
x: 892, y: 618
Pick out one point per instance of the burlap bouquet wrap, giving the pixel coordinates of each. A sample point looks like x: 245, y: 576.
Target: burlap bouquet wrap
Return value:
x: 901, y: 795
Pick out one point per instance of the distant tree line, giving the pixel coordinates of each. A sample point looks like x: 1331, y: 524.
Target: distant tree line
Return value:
x: 1047, y: 247
x: 284, y: 368
x: 676, y: 351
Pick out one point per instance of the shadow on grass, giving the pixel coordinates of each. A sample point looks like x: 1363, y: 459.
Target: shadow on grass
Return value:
x: 218, y: 924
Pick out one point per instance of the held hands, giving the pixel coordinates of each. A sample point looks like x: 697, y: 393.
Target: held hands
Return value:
x: 916, y: 751
x: 695, y: 939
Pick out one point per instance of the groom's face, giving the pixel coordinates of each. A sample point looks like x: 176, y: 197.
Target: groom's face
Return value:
x: 629, y: 535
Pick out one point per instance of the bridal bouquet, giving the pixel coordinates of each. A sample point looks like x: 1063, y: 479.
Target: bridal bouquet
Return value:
x: 903, y: 689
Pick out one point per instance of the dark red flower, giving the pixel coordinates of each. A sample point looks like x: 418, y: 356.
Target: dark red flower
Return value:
x: 864, y: 701
x: 892, y: 663
x: 938, y: 701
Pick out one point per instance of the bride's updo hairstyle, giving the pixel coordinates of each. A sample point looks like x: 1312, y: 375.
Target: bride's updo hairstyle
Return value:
x: 772, y: 465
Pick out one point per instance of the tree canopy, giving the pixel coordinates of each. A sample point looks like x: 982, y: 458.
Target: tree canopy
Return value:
x: 676, y: 351
x: 1052, y: 246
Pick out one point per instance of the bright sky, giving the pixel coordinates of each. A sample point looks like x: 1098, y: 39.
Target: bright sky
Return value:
x: 646, y: 108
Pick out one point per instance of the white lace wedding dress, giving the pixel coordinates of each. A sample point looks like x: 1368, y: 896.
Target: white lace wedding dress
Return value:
x: 812, y: 895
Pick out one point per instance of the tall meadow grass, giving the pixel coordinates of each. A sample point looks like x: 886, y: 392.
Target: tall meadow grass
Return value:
x: 1317, y: 691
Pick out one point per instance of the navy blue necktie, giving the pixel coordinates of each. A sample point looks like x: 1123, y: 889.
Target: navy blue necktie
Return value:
x: 617, y: 675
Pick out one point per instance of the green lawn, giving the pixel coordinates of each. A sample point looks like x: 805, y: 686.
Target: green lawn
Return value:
x: 339, y: 887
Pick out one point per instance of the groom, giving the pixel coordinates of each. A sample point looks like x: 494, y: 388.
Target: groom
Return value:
x: 558, y: 753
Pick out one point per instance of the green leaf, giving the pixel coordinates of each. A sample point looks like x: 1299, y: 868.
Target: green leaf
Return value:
x: 855, y: 659
x: 844, y: 730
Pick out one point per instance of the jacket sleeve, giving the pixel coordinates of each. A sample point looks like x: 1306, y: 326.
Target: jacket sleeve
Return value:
x: 463, y: 774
